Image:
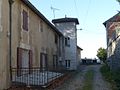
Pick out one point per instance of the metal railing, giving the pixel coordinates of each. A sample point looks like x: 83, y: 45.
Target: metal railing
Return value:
x: 36, y: 76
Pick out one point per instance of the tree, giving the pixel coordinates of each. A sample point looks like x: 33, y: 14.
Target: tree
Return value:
x: 102, y: 54
x: 118, y: 1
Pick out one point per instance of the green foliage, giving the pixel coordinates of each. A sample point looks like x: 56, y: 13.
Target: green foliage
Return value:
x: 112, y: 77
x: 105, y: 70
x: 116, y: 78
x: 118, y: 1
x: 102, y: 54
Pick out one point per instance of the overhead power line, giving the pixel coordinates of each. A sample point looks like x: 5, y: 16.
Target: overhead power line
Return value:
x: 87, y: 12
x: 76, y: 9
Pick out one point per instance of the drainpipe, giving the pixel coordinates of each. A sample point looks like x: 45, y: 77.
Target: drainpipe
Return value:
x: 10, y: 37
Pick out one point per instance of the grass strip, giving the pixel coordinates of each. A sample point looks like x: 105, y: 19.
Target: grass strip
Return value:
x: 88, y: 85
x: 112, y: 77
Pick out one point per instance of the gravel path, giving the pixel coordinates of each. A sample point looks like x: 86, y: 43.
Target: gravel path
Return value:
x: 99, y: 83
x: 76, y: 82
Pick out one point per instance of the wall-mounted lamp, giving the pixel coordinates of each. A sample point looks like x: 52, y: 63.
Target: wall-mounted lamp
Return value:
x: 80, y: 29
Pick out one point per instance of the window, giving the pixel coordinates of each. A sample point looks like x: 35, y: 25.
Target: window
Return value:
x: 25, y: 20
x: 67, y: 62
x: 60, y: 63
x: 67, y: 41
x: 41, y: 26
x: 56, y: 39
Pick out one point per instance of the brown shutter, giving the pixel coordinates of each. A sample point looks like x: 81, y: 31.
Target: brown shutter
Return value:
x: 25, y: 20
x: 56, y: 61
x: 41, y: 61
x: 30, y: 60
x: 19, y: 59
x: 46, y: 61
x: 53, y: 61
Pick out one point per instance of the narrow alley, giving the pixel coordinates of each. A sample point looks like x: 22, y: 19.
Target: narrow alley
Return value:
x: 87, y: 78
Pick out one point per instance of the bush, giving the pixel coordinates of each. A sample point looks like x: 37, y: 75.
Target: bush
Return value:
x: 112, y: 77
x: 107, y: 74
x: 116, y: 78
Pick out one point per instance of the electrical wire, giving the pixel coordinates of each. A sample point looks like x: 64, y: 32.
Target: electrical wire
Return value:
x: 87, y: 12
x: 76, y: 9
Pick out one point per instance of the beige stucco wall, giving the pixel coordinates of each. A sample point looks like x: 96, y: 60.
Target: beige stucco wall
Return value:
x: 34, y: 39
x: 16, y: 27
x: 40, y: 41
x: 4, y: 50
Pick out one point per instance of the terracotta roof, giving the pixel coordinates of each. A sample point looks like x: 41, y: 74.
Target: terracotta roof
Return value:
x: 66, y: 19
x: 36, y: 11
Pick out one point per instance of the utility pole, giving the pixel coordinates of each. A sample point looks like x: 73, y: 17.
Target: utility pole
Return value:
x: 54, y: 9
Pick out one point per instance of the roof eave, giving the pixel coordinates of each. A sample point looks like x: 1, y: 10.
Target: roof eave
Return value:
x: 61, y: 20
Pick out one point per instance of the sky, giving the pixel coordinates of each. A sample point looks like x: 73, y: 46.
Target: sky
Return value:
x: 91, y: 15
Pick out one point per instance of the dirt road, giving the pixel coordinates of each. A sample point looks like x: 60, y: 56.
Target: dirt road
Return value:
x: 78, y: 80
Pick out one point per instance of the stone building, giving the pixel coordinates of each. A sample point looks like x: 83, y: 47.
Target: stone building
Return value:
x: 113, y: 41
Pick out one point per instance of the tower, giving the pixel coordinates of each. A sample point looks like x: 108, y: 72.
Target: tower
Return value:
x: 67, y: 26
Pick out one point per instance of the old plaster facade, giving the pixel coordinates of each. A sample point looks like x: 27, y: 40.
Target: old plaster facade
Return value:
x: 35, y: 42
x: 32, y: 43
x: 67, y: 26
x: 113, y: 41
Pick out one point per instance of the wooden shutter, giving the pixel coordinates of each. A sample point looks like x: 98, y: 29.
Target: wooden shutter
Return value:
x: 19, y: 62
x: 56, y: 61
x: 53, y: 61
x: 25, y: 20
x: 46, y: 61
x: 30, y: 60
x: 41, y: 61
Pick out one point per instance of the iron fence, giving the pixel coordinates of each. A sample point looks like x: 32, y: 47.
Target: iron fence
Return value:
x: 36, y: 76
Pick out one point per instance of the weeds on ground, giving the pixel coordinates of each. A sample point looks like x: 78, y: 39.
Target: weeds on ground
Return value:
x: 116, y: 78
x: 89, y: 78
x: 112, y: 77
x: 107, y: 74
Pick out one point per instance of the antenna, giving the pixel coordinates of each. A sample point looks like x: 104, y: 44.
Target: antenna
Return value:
x: 54, y: 9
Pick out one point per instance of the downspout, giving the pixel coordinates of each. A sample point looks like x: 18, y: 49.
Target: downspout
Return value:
x: 10, y: 37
